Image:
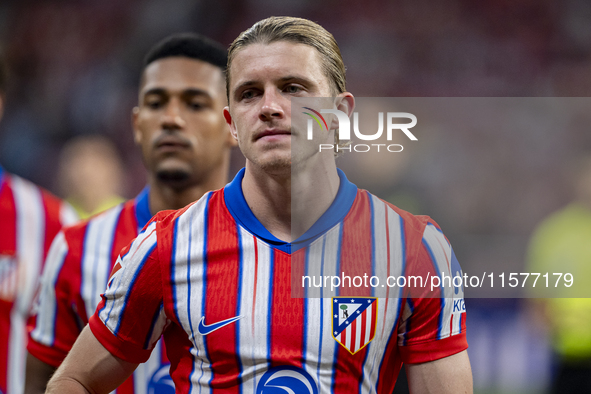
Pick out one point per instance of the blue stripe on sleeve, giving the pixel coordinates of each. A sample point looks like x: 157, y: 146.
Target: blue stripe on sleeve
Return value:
x: 131, y: 286
x: 441, y: 298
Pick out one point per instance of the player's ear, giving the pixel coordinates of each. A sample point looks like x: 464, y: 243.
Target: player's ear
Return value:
x: 345, y: 102
x: 137, y: 135
x: 230, y: 123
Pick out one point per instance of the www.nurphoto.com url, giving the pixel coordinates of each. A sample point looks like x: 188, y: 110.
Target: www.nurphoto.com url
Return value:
x: 490, y: 280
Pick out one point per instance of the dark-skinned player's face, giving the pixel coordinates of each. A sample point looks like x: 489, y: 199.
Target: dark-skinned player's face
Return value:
x: 178, y: 122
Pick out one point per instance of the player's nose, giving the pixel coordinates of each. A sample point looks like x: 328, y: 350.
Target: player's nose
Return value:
x: 271, y: 105
x: 172, y: 117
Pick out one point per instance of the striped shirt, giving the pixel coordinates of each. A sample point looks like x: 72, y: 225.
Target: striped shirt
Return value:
x: 218, y: 286
x: 76, y: 272
x: 29, y: 219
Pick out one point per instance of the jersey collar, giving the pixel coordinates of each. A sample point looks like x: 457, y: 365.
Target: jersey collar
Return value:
x: 240, y: 211
x: 142, y: 207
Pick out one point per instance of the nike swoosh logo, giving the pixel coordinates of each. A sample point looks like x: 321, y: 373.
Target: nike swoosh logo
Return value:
x: 205, y: 329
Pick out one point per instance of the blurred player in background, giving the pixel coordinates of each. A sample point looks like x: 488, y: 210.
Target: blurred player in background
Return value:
x: 29, y: 219
x: 215, y: 278
x: 90, y: 175
x: 185, y: 143
x: 561, y: 243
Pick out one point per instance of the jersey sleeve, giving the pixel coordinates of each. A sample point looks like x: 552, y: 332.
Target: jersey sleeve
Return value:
x: 57, y: 322
x: 434, y: 326
x: 130, y: 318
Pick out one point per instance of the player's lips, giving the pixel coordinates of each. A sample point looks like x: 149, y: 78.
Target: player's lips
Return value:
x: 272, y: 133
x: 171, y: 142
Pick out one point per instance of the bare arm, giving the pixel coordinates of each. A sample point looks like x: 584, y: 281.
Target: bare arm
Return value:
x: 89, y: 368
x: 38, y: 374
x: 449, y: 375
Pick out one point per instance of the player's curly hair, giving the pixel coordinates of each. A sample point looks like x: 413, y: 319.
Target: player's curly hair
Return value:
x: 191, y: 45
x: 299, y: 31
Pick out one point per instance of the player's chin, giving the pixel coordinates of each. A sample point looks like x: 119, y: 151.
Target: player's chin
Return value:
x: 276, y: 164
x: 175, y: 175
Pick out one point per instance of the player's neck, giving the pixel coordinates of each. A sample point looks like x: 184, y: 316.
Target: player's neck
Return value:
x: 289, y: 205
x: 164, y: 197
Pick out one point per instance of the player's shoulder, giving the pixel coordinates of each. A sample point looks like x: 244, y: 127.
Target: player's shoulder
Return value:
x: 105, y: 218
x: 414, y: 224
x: 23, y: 186
x: 36, y: 197
x: 165, y: 220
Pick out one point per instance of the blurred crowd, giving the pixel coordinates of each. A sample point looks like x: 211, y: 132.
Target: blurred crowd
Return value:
x: 73, y: 73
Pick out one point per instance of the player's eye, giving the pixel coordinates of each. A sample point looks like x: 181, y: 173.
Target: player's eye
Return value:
x: 247, y: 94
x: 195, y: 105
x: 154, y: 102
x: 196, y: 102
x: 292, y: 89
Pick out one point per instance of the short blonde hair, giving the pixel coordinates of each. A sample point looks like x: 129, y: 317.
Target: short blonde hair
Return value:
x: 299, y: 31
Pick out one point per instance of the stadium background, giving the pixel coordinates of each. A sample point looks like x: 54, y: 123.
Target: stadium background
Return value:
x: 74, y: 71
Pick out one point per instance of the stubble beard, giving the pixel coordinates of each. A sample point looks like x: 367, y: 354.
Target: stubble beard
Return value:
x: 277, y: 166
x: 174, y: 178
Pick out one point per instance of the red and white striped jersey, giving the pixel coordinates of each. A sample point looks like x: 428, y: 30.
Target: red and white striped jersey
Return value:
x: 218, y: 285
x: 29, y: 219
x: 76, y: 272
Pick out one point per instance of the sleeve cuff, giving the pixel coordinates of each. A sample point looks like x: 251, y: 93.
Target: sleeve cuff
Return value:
x: 116, y: 346
x: 433, y: 350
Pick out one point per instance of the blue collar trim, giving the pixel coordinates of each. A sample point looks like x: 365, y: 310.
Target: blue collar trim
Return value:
x: 240, y: 211
x: 142, y: 207
x: 1, y: 176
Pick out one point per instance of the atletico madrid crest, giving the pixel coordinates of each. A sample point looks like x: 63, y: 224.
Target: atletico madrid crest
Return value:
x: 354, y: 321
